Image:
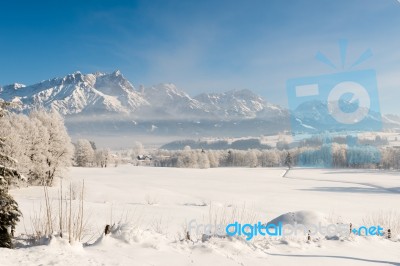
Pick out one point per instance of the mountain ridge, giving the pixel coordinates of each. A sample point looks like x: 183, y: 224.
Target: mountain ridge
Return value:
x: 112, y: 93
x: 100, y: 102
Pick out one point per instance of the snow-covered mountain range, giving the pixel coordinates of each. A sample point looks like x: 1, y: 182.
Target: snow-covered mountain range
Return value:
x: 102, y: 93
x: 77, y: 94
x: 88, y: 101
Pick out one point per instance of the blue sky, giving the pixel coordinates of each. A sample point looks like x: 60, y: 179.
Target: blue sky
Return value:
x: 201, y: 46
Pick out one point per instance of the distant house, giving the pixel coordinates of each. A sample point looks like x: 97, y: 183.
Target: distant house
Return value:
x: 142, y: 157
x: 144, y: 160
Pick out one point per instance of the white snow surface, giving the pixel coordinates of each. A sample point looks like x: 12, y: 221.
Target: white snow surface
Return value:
x: 157, y: 202
x: 301, y: 217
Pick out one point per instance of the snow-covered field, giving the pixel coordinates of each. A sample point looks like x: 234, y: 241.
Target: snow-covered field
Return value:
x: 154, y: 205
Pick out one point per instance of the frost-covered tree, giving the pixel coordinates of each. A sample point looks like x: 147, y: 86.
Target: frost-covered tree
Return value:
x: 40, y: 144
x: 37, y: 151
x: 203, y: 161
x: 213, y: 159
x: 270, y: 158
x: 9, y: 211
x: 59, y: 148
x: 103, y: 157
x: 229, y: 159
x: 84, y: 153
x: 251, y: 158
x: 390, y: 158
x: 184, y: 159
x: 15, y: 142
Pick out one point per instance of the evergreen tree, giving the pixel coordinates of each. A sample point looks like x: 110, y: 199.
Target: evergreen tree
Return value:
x: 9, y: 215
x: 9, y: 211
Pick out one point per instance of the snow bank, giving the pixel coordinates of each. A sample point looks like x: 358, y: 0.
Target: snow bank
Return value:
x: 307, y: 218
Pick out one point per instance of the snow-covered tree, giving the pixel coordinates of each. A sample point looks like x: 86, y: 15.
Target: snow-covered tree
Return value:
x: 213, y: 159
x: 39, y: 142
x: 59, y: 148
x: 339, y: 155
x: 103, y: 157
x: 251, y: 157
x: 203, y: 161
x: 36, y: 151
x: 9, y: 214
x: 9, y: 211
x: 15, y: 143
x: 270, y: 158
x: 184, y: 159
x: 84, y: 153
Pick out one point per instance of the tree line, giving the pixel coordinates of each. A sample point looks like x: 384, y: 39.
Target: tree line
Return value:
x: 327, y: 155
x: 87, y: 155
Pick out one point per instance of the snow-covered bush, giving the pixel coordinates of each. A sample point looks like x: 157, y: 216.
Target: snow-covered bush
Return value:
x: 65, y: 217
x: 385, y: 219
x: 151, y: 199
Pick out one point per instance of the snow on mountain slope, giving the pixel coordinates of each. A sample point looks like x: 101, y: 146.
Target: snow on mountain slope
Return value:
x: 15, y: 86
x: 77, y: 93
x: 117, y: 86
x: 313, y: 116
x: 391, y: 121
x: 102, y: 93
x: 167, y: 99
x: 234, y: 103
